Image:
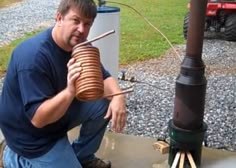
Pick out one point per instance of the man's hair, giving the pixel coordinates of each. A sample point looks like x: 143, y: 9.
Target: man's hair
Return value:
x: 87, y: 8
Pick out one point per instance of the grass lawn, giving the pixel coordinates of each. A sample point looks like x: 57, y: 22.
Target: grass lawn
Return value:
x: 138, y: 40
x: 4, y: 3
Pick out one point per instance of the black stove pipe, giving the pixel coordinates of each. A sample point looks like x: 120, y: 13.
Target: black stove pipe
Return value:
x: 187, y: 128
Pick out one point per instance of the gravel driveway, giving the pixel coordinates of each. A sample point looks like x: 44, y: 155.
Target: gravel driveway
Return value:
x: 150, y: 106
x: 25, y: 16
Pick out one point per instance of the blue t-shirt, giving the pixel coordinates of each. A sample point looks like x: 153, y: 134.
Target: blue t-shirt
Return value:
x: 36, y: 72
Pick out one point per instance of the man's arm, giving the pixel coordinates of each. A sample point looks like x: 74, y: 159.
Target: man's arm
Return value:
x: 54, y: 108
x: 117, y: 107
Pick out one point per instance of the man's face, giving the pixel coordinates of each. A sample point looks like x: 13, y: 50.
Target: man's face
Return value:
x: 74, y: 28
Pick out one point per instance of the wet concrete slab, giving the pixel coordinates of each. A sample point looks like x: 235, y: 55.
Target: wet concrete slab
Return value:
x: 126, y: 151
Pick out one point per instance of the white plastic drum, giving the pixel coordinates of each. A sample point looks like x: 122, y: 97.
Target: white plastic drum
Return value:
x: 108, y: 18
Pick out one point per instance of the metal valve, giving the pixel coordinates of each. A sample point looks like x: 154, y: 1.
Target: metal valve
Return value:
x: 101, y: 3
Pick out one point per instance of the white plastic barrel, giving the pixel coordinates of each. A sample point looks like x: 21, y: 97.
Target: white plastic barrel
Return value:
x: 108, y: 18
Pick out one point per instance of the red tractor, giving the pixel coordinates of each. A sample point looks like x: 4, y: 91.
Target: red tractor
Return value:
x: 220, y: 17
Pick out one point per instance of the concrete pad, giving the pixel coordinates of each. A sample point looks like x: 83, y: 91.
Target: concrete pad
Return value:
x: 213, y: 158
x: 129, y: 151
x: 126, y: 151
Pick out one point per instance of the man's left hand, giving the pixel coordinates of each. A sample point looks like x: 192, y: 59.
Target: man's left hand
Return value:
x: 117, y: 112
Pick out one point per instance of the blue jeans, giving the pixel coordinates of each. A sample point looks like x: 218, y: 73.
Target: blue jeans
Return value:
x: 63, y: 154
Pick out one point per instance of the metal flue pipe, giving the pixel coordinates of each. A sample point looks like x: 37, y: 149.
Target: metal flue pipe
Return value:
x: 191, y: 83
x: 187, y: 127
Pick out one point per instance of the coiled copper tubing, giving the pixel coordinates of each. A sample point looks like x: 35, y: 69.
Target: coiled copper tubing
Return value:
x: 89, y: 86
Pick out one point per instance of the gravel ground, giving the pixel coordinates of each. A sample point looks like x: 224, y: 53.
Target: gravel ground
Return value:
x: 150, y: 106
x: 25, y: 16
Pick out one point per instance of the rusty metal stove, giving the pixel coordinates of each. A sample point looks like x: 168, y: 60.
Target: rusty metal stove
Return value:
x: 187, y: 128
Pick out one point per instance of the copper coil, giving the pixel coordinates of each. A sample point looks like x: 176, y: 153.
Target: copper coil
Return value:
x: 89, y: 86
x: 80, y: 57
x: 85, y: 77
x: 89, y: 67
x: 84, y: 50
x: 91, y: 64
x: 88, y: 94
x: 91, y: 52
x: 87, y: 60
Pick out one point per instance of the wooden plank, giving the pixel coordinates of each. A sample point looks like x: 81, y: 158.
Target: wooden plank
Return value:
x: 181, y: 162
x: 162, y: 146
x: 176, y: 160
x: 191, y: 161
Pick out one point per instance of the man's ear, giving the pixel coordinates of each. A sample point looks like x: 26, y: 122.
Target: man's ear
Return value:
x: 59, y: 18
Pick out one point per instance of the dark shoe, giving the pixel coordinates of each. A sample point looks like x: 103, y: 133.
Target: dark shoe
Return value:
x: 2, y: 146
x: 96, y: 163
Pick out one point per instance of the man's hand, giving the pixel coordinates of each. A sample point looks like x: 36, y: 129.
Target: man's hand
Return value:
x: 117, y: 112
x: 74, y: 71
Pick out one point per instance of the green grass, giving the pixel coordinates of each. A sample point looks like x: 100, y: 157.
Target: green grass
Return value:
x: 138, y: 41
x: 4, y: 3
x: 5, y: 51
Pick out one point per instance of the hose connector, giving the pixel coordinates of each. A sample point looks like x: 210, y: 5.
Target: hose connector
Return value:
x: 101, y: 3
